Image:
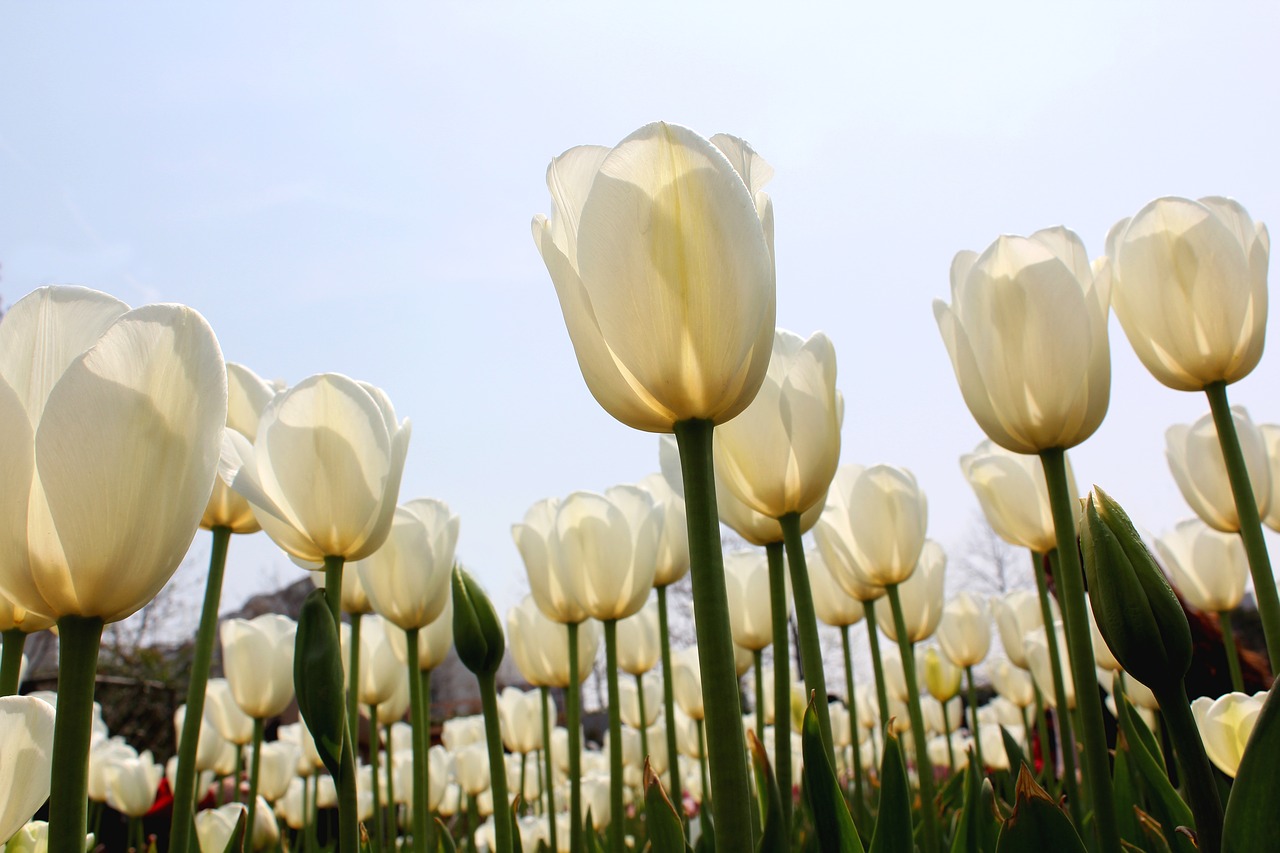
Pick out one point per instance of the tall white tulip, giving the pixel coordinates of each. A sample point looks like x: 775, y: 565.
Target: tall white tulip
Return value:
x: 1013, y: 495
x: 965, y: 630
x: 257, y: 657
x: 1209, y: 568
x: 407, y: 579
x: 1196, y: 460
x: 639, y: 641
x: 606, y: 545
x: 921, y: 595
x: 747, y: 583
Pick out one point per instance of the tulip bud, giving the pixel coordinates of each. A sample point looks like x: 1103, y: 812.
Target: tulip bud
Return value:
x: 1137, y: 612
x: 317, y: 672
x: 477, y: 631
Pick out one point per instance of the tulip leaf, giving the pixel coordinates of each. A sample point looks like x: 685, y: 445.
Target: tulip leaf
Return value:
x: 1252, y: 815
x: 1166, y: 805
x: 318, y: 679
x: 774, y: 839
x: 1123, y: 794
x: 235, y: 843
x: 1152, y: 833
x: 1037, y: 824
x: 517, y: 846
x: 978, y: 827
x: 1013, y: 752
x: 477, y: 632
x: 445, y: 844
x: 893, y: 833
x: 666, y: 834
x: 831, y: 818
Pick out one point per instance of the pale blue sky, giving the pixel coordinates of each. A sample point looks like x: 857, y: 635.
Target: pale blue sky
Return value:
x: 350, y: 190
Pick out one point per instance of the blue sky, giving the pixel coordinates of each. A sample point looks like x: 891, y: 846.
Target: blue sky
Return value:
x: 343, y: 189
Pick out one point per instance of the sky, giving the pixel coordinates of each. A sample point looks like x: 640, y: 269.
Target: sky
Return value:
x: 349, y: 189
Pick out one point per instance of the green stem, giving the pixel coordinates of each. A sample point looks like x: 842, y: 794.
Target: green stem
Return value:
x: 946, y: 730
x: 644, y: 719
x: 1066, y: 737
x: 256, y: 755
x: 497, y: 763
x: 392, y: 808
x: 1198, y: 778
x: 1070, y: 583
x: 473, y: 822
x: 237, y: 773
x: 348, y: 805
x: 79, y: 639
x: 547, y: 784
x: 1229, y: 646
x: 730, y: 786
x: 353, y: 684
x: 669, y: 705
x: 615, y: 735
x: 873, y: 638
x: 815, y: 679
x: 757, y: 657
x: 573, y: 700
x: 418, y: 739
x: 701, y: 727
x: 924, y: 770
x: 852, y: 701
x: 376, y: 840
x: 523, y: 761
x: 11, y: 662
x: 781, y: 677
x: 1264, y: 584
x: 184, y: 788
x: 973, y: 716
x: 1042, y: 727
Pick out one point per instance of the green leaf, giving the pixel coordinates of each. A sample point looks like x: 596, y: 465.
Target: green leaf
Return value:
x: 477, y: 632
x: 978, y: 827
x: 318, y: 679
x: 1124, y: 794
x: 774, y: 839
x: 1152, y: 833
x: 1252, y: 818
x: 1013, y: 752
x: 666, y: 833
x: 1165, y: 804
x: 444, y: 839
x: 590, y: 837
x: 1037, y: 825
x: 893, y: 832
x: 517, y: 846
x: 235, y: 844
x: 834, y: 826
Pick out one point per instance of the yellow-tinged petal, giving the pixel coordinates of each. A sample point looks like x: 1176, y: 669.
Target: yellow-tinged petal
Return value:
x: 126, y: 451
x: 26, y: 759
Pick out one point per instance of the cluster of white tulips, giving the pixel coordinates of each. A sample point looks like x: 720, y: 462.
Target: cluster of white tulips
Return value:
x: 125, y: 431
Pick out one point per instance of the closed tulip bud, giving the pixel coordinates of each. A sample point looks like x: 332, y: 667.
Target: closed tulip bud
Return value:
x: 1138, y: 615
x: 686, y: 680
x: 831, y: 603
x: 1013, y: 684
x: 1190, y: 289
x: 606, y: 546
x: 639, y: 641
x: 1225, y: 725
x: 407, y: 579
x: 26, y: 742
x: 1209, y: 568
x: 247, y: 396
x: 661, y: 254
x: 965, y: 630
x: 277, y: 767
x: 779, y: 455
x: 111, y: 421
x: 477, y: 633
x: 328, y: 435
x: 221, y: 709
x: 257, y: 657
x: 747, y: 585
x: 1006, y: 305
x: 1017, y: 614
x: 941, y: 677
x: 1037, y: 647
x: 672, y: 558
x: 434, y: 641
x: 921, y: 596
x: 1195, y: 458
x: 885, y: 520
x: 1012, y: 493
x: 214, y: 827
x: 132, y: 784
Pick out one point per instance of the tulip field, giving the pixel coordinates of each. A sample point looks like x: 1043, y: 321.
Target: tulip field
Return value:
x: 126, y: 431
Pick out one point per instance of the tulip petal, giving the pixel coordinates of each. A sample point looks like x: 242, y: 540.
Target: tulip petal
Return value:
x: 17, y: 465
x: 671, y: 243
x: 26, y: 746
x: 44, y: 332
x: 126, y: 451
